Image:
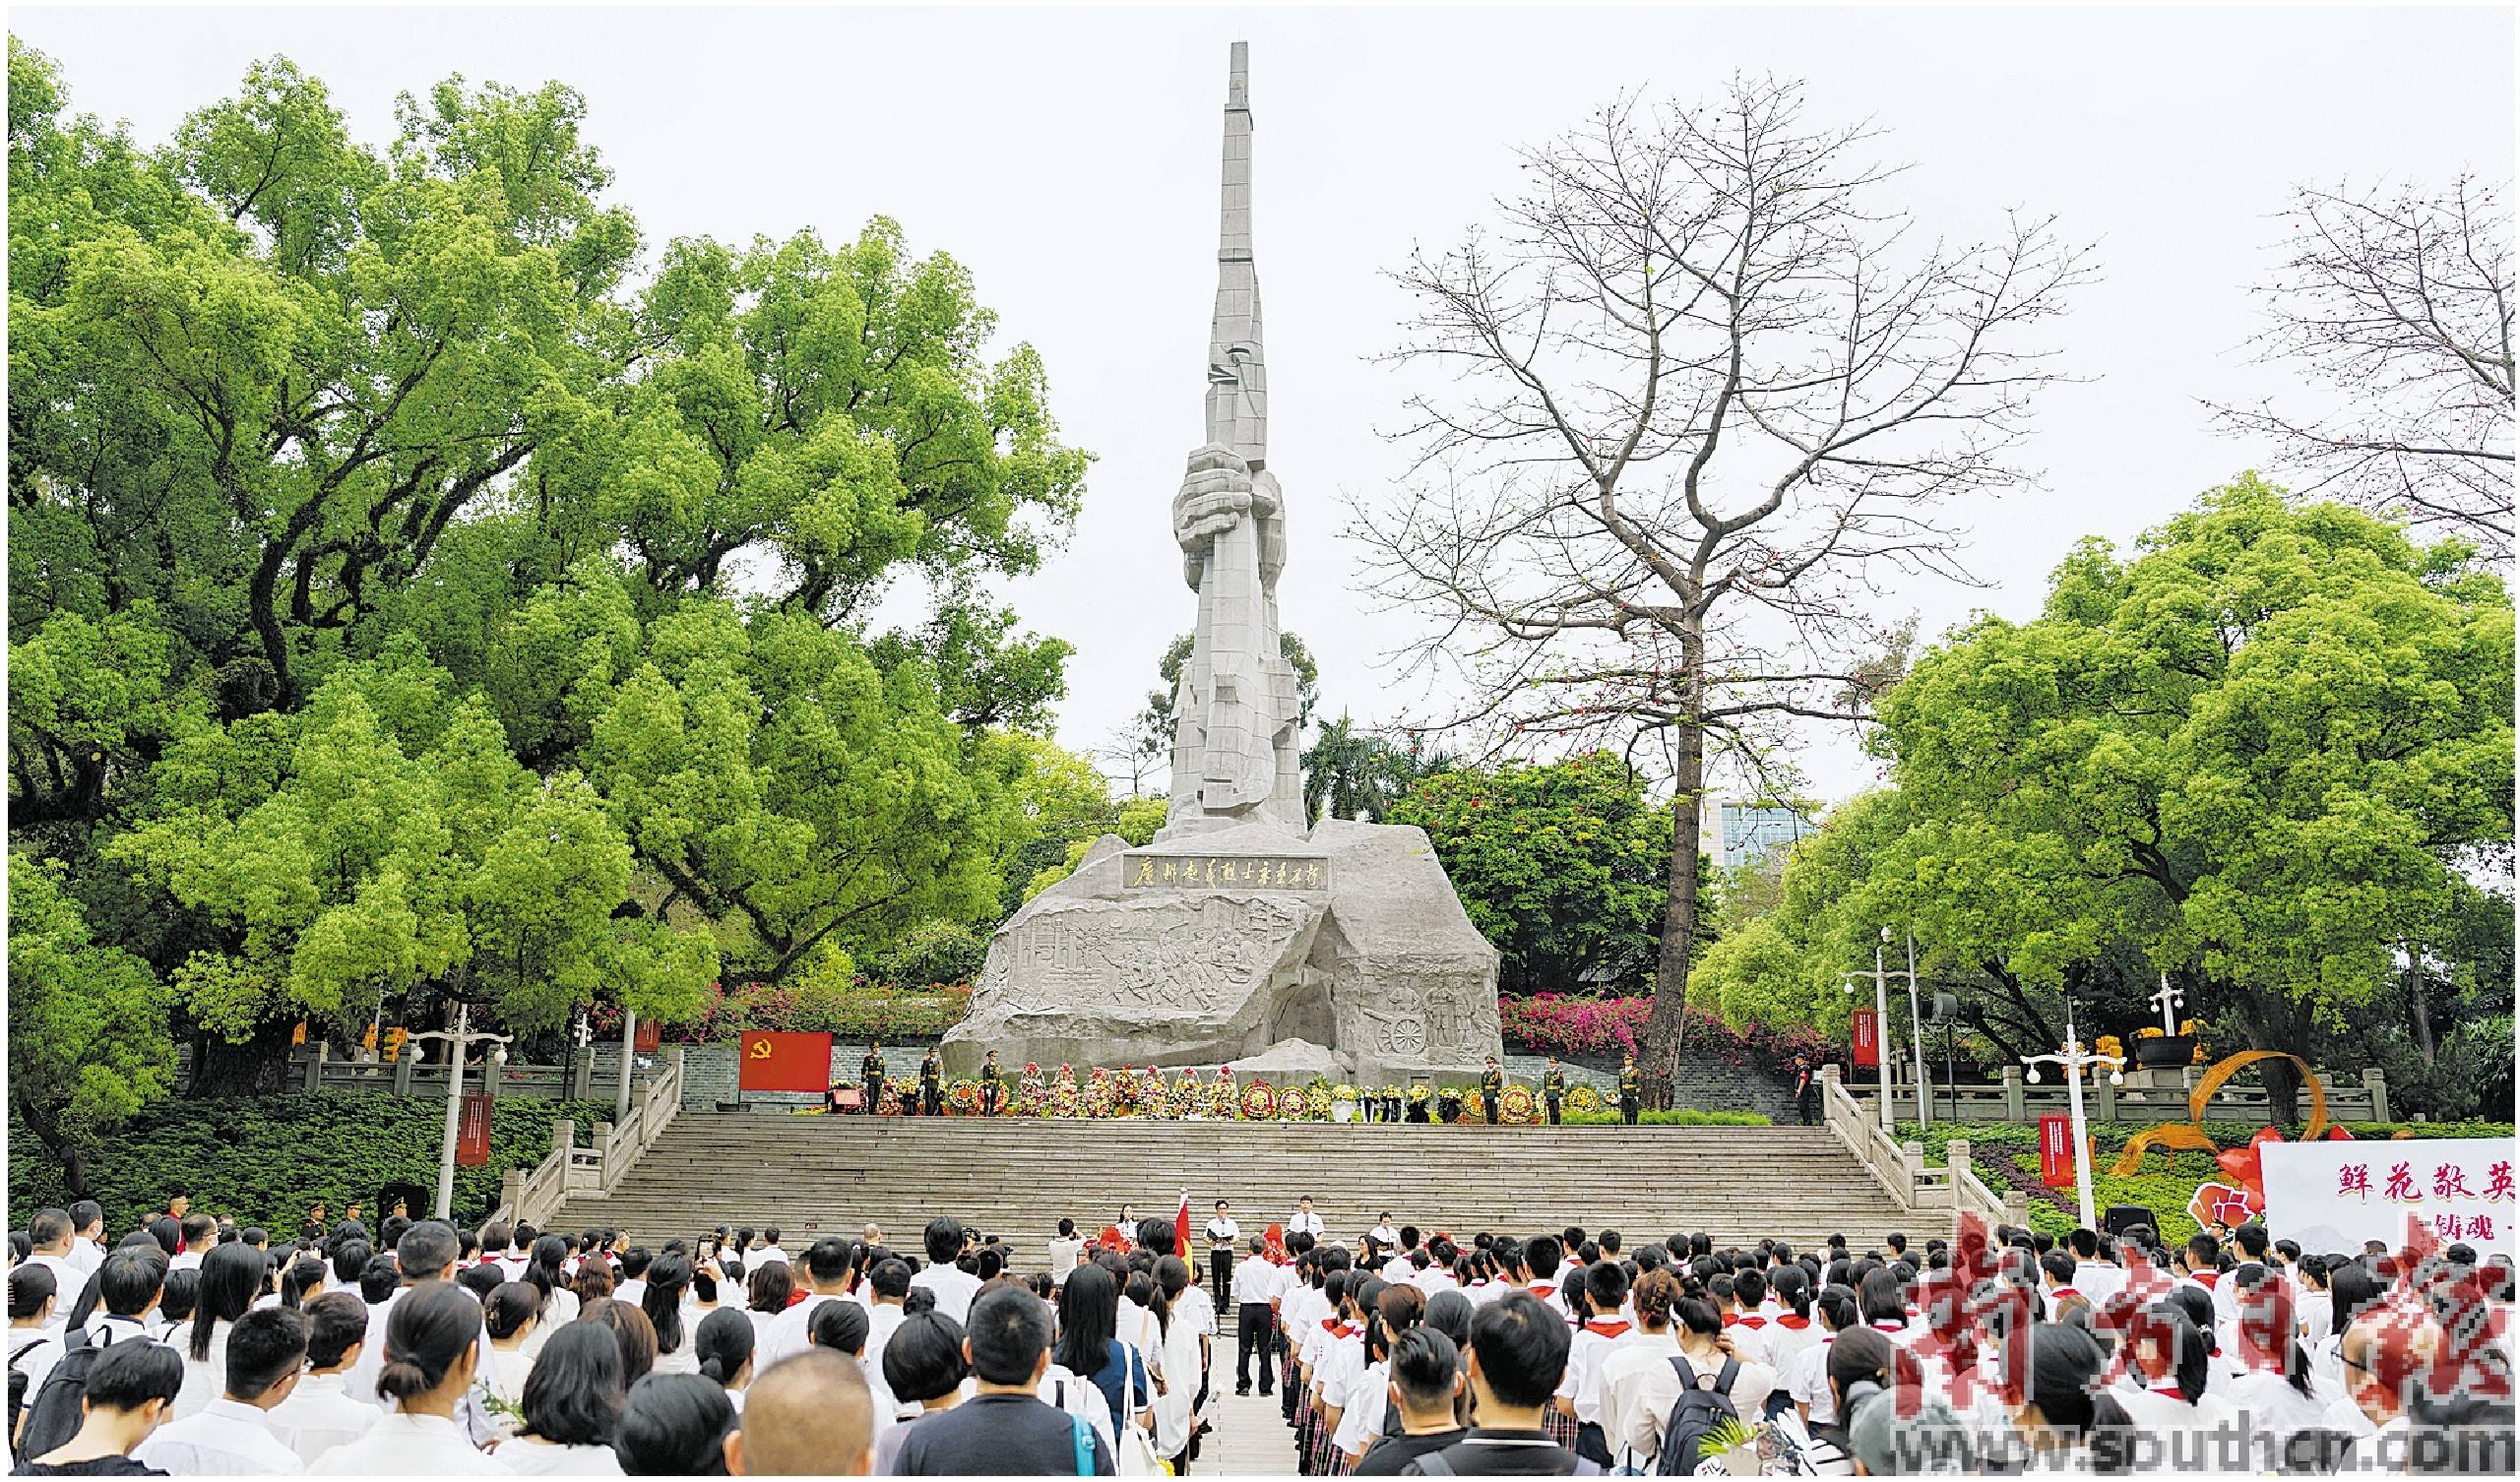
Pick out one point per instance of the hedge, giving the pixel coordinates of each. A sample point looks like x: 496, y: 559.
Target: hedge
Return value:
x: 267, y: 1159
x: 1684, y: 1117
x: 2007, y: 1153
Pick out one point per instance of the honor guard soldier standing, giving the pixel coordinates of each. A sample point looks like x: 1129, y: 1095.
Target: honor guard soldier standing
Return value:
x: 932, y: 1085
x: 1630, y: 1084
x: 1491, y: 1086
x: 872, y: 1069
x: 989, y: 1086
x: 1552, y: 1090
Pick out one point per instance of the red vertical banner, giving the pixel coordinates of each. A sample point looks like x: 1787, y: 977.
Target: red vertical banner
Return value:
x: 646, y: 1037
x: 472, y: 1131
x: 1867, y: 1037
x: 2055, y: 1149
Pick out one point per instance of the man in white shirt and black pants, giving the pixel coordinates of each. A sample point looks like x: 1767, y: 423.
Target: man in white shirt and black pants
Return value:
x: 1255, y: 1286
x: 1223, y: 1232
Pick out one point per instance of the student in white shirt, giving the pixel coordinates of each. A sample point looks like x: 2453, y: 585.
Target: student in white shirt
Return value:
x: 320, y: 1414
x: 1305, y: 1221
x: 1383, y: 1234
x: 230, y: 1276
x: 200, y: 1231
x: 826, y: 1272
x: 770, y: 1249
x: 571, y: 1402
x: 953, y: 1286
x: 232, y: 1435
x: 432, y: 1349
x: 1698, y: 1323
x: 724, y: 1345
x: 131, y: 1388
x: 128, y: 1287
x: 49, y: 1230
x: 665, y: 1301
x: 35, y: 1344
x: 88, y: 1242
x: 512, y: 1314
x: 1064, y: 1247
x: 1623, y: 1369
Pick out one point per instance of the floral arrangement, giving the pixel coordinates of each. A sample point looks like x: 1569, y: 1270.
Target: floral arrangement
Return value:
x: 1259, y: 1100
x: 1451, y: 1103
x: 1581, y: 1097
x: 963, y: 1097
x: 1067, y: 1099
x: 1517, y: 1105
x: 1224, y: 1101
x: 1032, y: 1098
x: 1343, y: 1092
x: 1420, y: 1095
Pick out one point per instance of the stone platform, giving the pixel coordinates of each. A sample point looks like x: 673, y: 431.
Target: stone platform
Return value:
x: 1211, y: 947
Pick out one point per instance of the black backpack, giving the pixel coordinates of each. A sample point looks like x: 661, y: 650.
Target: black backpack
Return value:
x: 1697, y: 1412
x: 18, y: 1388
x: 53, y: 1418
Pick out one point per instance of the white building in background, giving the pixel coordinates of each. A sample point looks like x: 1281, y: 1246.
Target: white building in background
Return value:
x: 1736, y: 830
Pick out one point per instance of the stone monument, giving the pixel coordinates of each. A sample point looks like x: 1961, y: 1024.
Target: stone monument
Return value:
x: 1240, y: 933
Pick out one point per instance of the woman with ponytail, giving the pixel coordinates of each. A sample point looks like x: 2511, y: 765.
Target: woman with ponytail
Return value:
x: 431, y: 1352
x: 2273, y: 1389
x: 545, y: 1269
x: 571, y: 1404
x: 669, y: 1280
x: 723, y: 1345
x: 303, y: 1282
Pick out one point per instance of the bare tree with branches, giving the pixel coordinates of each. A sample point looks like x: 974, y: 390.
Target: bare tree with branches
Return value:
x: 2399, y: 303
x: 1703, y: 395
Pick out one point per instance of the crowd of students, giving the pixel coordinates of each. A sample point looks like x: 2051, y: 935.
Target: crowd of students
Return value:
x: 193, y: 1347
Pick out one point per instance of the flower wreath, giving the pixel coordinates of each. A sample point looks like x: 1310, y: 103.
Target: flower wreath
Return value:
x: 1514, y: 1105
x: 1582, y: 1099
x: 1259, y: 1100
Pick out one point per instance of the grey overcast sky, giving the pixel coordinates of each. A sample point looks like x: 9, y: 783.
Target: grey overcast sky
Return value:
x: 1070, y: 158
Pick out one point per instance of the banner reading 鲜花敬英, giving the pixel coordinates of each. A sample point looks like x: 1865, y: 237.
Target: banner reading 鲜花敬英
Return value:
x: 2333, y: 1197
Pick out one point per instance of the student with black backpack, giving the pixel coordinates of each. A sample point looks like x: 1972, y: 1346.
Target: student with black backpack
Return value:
x: 33, y: 1348
x: 125, y: 1392
x: 1698, y: 1387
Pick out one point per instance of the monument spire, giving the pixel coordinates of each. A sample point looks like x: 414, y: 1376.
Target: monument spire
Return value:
x: 1237, y: 378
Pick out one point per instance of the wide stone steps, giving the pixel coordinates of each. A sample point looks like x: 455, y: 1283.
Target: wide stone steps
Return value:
x: 1018, y: 1177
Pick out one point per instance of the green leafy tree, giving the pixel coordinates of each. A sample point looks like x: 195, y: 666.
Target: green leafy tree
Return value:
x: 1561, y: 865
x: 1135, y: 822
x: 1353, y: 774
x: 2264, y: 754
x: 87, y: 1040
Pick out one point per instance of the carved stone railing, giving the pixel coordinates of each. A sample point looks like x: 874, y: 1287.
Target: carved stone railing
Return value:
x: 1902, y: 1170
x: 594, y: 1171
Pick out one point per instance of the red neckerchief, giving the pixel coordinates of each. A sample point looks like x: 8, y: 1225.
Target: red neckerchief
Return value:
x: 1350, y: 1329
x: 1605, y: 1326
x: 1893, y: 1326
x: 1330, y: 1325
x: 2064, y: 1291
x: 1793, y: 1322
x: 1751, y: 1321
x: 2169, y: 1391
x: 1542, y: 1291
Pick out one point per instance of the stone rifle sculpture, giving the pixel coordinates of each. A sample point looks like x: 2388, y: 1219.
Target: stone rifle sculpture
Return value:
x: 1240, y: 935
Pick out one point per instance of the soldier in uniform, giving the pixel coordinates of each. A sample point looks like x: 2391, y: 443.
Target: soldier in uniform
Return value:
x: 932, y: 1085
x: 1552, y: 1090
x: 1630, y: 1084
x: 1491, y: 1086
x: 872, y: 1069
x: 990, y: 1086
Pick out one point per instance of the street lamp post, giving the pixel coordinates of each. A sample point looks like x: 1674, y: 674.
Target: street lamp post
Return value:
x: 2170, y: 1001
x: 2073, y: 1061
x: 458, y: 1040
x: 629, y: 1039
x: 1916, y: 1029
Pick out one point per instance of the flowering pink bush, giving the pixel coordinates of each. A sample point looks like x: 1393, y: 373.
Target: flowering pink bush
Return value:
x: 1565, y: 1025
x: 880, y: 1009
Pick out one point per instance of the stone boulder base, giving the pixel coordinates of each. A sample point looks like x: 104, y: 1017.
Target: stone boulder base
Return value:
x: 1212, y: 948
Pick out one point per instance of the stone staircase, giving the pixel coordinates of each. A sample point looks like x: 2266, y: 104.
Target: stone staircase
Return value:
x: 1016, y: 1176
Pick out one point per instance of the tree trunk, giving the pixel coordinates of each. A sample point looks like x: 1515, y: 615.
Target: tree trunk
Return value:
x: 64, y: 1150
x: 257, y: 1067
x: 2275, y: 1024
x: 1661, y: 1061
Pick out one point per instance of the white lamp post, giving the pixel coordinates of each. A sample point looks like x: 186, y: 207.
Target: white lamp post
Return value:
x: 458, y: 1040
x: 2170, y: 1001
x: 1916, y: 1029
x: 2073, y: 1061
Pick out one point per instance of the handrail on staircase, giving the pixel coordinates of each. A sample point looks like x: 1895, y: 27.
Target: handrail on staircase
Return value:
x: 1901, y: 1167
x: 538, y: 1195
